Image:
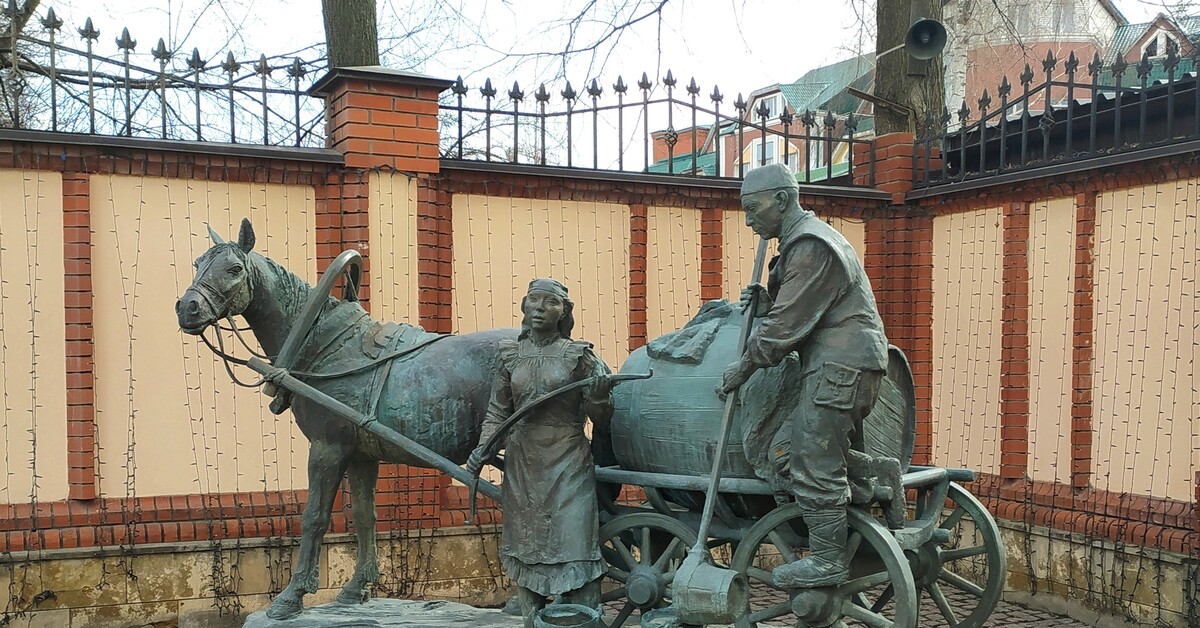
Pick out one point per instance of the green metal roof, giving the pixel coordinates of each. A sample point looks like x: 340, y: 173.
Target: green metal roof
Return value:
x: 1126, y: 35
x: 706, y: 164
x: 819, y: 86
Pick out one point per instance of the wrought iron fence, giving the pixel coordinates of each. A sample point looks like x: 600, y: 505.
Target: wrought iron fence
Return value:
x: 52, y: 82
x: 602, y: 127
x: 1063, y: 119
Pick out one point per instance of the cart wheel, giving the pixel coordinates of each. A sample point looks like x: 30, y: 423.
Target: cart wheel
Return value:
x: 643, y: 550
x: 962, y: 568
x: 880, y: 592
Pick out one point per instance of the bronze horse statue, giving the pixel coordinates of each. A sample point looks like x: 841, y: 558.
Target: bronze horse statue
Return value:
x: 433, y: 389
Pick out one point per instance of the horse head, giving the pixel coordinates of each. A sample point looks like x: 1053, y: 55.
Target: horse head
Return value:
x: 223, y: 285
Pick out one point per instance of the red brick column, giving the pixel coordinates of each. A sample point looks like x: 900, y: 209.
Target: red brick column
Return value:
x: 899, y: 262
x: 81, y: 406
x: 1014, y: 348
x: 1084, y: 322
x: 382, y: 119
x: 435, y: 255
x: 378, y: 117
x: 711, y: 254
x: 638, y: 223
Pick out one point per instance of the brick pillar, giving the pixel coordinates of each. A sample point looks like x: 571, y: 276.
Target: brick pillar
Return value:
x: 378, y: 117
x: 1084, y: 322
x: 638, y: 223
x: 1014, y: 348
x: 384, y: 119
x: 711, y: 255
x: 899, y: 262
x: 80, y: 347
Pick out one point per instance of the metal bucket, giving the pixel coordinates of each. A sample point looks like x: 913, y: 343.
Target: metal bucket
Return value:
x: 567, y: 616
x: 661, y: 618
x: 710, y: 595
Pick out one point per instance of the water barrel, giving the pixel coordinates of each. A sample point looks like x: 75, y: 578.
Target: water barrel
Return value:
x: 669, y: 423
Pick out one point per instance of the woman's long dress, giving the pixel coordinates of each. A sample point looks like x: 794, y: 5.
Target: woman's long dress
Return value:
x: 550, y: 540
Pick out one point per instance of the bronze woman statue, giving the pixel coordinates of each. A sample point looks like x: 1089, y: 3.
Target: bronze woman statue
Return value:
x: 550, y: 542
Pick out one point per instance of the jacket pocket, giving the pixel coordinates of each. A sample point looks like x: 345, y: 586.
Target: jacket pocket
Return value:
x: 837, y: 386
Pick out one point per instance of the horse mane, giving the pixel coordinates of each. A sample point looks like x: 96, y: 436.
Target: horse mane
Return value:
x: 291, y: 290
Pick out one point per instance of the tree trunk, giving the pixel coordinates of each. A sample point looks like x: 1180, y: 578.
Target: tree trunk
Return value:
x: 917, y: 85
x: 351, y: 33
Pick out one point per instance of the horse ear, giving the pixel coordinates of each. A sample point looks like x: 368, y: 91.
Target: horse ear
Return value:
x: 246, y: 236
x: 213, y: 234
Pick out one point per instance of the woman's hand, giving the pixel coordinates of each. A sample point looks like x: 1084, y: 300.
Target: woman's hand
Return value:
x: 600, y: 388
x: 477, y: 459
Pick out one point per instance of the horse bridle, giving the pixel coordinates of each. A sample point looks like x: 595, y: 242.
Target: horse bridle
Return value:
x: 206, y: 292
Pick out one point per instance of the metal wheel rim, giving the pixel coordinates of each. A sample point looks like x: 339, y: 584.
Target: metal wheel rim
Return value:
x: 642, y: 523
x: 991, y: 549
x: 902, y: 592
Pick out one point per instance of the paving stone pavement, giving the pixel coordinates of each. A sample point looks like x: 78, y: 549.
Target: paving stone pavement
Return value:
x: 1006, y: 615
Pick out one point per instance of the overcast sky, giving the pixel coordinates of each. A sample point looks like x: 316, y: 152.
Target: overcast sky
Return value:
x: 737, y: 44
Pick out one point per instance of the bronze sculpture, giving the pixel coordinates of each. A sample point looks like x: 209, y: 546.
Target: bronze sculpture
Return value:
x: 549, y: 544
x: 819, y: 303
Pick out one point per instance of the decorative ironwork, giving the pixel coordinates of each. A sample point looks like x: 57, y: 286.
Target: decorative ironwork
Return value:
x: 1071, y: 117
x: 680, y: 133
x: 82, y: 88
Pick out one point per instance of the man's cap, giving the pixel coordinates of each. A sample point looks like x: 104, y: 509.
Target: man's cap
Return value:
x: 772, y: 177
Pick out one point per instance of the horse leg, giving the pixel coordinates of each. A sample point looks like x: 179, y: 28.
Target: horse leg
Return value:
x: 326, y: 465
x: 362, y: 475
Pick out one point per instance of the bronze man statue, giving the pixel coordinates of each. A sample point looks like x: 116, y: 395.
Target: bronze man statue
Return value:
x: 550, y: 541
x: 818, y: 303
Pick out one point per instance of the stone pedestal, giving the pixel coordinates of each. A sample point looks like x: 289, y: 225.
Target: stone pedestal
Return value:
x: 387, y: 613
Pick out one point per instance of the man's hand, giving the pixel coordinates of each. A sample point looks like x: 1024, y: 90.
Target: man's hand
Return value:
x: 761, y: 298
x: 735, y: 376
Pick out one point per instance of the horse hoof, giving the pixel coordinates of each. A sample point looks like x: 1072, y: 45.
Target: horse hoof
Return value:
x: 354, y: 596
x: 284, y: 609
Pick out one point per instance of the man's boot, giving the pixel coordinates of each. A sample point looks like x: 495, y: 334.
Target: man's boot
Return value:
x: 827, y: 563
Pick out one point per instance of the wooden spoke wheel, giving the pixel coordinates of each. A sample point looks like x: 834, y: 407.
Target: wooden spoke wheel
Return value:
x: 962, y: 568
x: 643, y: 551
x: 880, y: 592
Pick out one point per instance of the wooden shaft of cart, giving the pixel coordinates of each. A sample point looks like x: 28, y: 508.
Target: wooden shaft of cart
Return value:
x: 714, y: 479
x: 386, y: 434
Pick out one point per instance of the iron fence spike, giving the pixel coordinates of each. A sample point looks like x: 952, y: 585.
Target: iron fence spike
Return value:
x: 125, y: 42
x: 1049, y: 63
x: 594, y: 90
x: 230, y: 65
x: 620, y: 87
x: 542, y: 95
x: 1095, y: 66
x: 786, y: 117
x: 645, y: 83
x: 740, y: 103
x: 487, y: 90
x: 459, y: 87
x: 964, y: 112
x: 262, y: 68
x: 51, y: 22
x: 808, y: 119
x: 830, y: 120
x: 568, y: 92
x: 89, y: 32
x: 669, y: 81
x: 515, y: 94
x: 1119, y: 66
x: 160, y: 52
x: 195, y: 63
x: 985, y: 101
x: 762, y: 109
x: 851, y: 122
x: 1026, y: 75
x: 1145, y: 65
x: 1072, y: 63
x: 1005, y: 88
x: 693, y: 88
x: 296, y: 69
